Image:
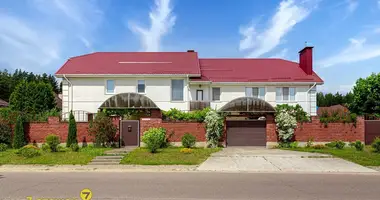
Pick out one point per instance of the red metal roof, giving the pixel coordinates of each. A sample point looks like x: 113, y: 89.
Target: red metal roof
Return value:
x: 187, y: 63
x: 133, y: 63
x: 253, y: 70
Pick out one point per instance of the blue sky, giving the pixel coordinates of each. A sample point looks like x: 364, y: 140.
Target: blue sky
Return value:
x: 40, y: 35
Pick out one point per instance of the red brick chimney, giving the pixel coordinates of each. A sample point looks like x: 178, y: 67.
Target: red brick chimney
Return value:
x: 306, y: 60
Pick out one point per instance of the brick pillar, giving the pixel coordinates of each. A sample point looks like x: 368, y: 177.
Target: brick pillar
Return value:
x: 271, y: 129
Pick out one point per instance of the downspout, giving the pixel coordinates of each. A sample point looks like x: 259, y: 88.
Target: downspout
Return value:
x: 71, y: 86
x: 309, y: 97
x: 188, y: 91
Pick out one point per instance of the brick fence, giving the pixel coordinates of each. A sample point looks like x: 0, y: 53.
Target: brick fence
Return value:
x: 175, y: 130
x: 37, y: 131
x: 319, y: 132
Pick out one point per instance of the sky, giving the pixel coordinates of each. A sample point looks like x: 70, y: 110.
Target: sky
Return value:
x: 40, y: 35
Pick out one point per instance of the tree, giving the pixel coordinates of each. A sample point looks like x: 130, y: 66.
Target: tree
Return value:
x: 19, y: 135
x: 366, y: 95
x: 72, y: 136
x: 32, y: 97
x: 329, y: 99
x: 103, y: 129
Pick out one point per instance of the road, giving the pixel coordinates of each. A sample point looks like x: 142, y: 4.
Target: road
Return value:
x: 189, y: 185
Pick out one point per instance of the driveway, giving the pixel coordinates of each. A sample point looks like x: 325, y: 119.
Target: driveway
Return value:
x: 256, y: 159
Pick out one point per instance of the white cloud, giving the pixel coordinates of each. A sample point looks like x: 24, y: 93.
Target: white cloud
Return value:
x: 352, y: 5
x: 357, y: 50
x: 288, y: 14
x: 282, y: 54
x: 162, y: 21
x: 378, y: 4
x: 44, y: 39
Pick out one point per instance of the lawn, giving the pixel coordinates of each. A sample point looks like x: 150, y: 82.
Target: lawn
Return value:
x: 84, y: 156
x: 366, y: 157
x: 168, y: 156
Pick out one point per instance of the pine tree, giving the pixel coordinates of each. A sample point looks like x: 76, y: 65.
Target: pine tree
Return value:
x: 72, y: 136
x: 19, y: 136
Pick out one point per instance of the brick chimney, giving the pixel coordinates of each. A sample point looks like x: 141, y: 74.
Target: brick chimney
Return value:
x: 306, y: 60
x: 190, y: 50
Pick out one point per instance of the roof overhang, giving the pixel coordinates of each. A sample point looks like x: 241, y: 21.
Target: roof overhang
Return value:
x: 126, y: 75
x: 247, y: 105
x: 128, y: 101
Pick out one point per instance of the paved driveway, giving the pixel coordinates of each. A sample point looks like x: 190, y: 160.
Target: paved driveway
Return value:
x: 255, y: 159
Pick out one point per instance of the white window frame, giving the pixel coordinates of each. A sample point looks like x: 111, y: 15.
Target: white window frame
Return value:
x: 137, y: 87
x: 289, y: 95
x: 212, y: 94
x: 171, y: 90
x: 106, y: 86
x: 258, y: 88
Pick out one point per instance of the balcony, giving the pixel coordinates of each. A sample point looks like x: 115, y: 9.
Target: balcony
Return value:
x: 199, y: 105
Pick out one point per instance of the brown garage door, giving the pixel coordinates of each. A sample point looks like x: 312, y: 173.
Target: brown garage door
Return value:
x: 246, y: 133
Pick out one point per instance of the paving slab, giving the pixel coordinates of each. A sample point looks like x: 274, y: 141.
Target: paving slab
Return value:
x: 253, y: 159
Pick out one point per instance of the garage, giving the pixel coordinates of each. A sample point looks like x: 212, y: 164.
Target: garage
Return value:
x: 246, y: 133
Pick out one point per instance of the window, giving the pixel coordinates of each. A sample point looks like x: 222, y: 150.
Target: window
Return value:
x: 177, y: 90
x: 140, y: 86
x: 216, y: 94
x: 285, y: 94
x: 258, y: 92
x: 110, y: 87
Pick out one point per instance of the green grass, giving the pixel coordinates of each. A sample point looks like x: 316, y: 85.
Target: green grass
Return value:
x: 82, y: 157
x: 168, y: 156
x: 366, y: 157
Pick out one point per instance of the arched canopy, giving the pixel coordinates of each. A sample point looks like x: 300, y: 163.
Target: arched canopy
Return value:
x: 129, y: 100
x: 248, y: 104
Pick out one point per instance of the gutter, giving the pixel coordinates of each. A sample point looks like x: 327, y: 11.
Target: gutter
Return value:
x: 307, y: 92
x: 71, y: 86
x: 188, y: 91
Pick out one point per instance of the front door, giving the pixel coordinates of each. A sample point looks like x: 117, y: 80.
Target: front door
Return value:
x: 199, y: 95
x: 130, y: 133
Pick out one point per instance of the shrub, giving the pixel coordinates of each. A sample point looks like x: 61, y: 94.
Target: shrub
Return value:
x: 188, y: 140
x: 282, y: 144
x: 19, y: 136
x: 309, y: 143
x: 186, y: 150
x: 74, y: 147
x: 293, y: 145
x: 331, y: 144
x: 53, y: 142
x: 376, y: 145
x: 214, y: 128
x: 296, y: 111
x: 285, y: 125
x: 178, y: 115
x: 319, y: 146
x: 154, y: 138
x: 72, y: 136
x: 62, y: 148
x: 103, y: 129
x: 5, y: 133
x: 45, y: 147
x: 359, y: 146
x: 340, y: 144
x: 29, y: 151
x: 3, y: 147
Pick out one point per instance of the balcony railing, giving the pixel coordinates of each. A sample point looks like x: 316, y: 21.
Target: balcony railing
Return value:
x: 199, y: 105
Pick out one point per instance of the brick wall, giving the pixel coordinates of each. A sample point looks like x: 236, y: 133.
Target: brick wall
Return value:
x: 37, y: 131
x: 319, y: 133
x: 175, y: 129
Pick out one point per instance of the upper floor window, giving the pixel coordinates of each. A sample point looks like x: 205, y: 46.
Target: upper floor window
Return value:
x: 110, y: 86
x: 286, y: 94
x: 257, y: 92
x: 141, y: 86
x: 216, y: 94
x: 177, y: 90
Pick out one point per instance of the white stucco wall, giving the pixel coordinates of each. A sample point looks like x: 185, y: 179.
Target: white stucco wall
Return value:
x: 88, y: 94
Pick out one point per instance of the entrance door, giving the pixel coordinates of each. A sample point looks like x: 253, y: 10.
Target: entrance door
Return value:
x: 246, y: 133
x: 199, y: 95
x: 130, y: 132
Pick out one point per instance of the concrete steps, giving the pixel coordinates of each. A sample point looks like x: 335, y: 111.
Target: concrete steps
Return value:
x: 106, y: 160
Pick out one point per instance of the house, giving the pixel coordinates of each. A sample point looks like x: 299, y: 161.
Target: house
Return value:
x: 3, y: 103
x: 182, y: 80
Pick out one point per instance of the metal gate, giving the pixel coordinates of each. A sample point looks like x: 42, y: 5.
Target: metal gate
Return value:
x: 130, y: 133
x: 372, y: 130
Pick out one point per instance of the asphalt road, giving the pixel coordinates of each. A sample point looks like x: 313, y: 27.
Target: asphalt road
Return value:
x: 189, y: 185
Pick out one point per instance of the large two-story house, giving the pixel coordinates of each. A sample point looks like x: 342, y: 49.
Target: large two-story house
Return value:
x: 184, y: 81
